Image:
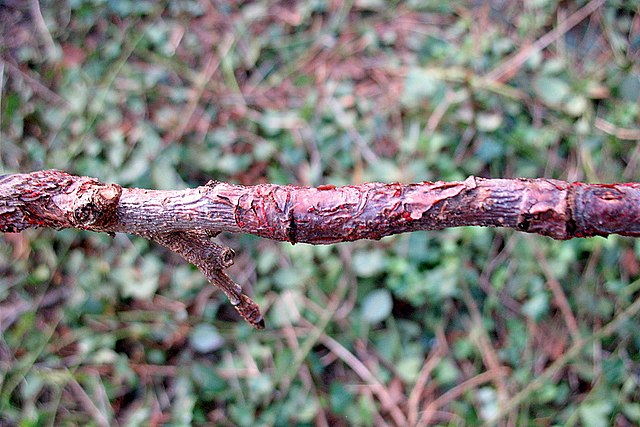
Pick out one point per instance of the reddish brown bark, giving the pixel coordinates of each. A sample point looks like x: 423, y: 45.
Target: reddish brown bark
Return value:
x: 184, y: 220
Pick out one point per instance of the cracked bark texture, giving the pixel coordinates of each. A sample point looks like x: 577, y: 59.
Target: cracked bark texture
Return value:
x: 184, y: 221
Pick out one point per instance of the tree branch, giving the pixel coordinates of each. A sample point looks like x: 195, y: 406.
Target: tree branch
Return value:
x: 184, y: 221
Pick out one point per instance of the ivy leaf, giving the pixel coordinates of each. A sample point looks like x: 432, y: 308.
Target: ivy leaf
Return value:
x: 377, y: 306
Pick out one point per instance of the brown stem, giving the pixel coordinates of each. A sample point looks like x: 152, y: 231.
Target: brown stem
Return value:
x: 184, y: 220
x: 211, y: 259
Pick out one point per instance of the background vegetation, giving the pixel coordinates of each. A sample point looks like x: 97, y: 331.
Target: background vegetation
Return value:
x: 459, y: 327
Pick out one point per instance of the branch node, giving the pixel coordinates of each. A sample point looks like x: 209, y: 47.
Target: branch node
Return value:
x: 96, y: 206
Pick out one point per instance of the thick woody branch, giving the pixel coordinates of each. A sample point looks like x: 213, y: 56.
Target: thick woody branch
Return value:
x: 184, y: 220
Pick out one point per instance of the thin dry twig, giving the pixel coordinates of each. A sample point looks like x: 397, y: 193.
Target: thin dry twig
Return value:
x: 388, y: 403
x: 47, y: 94
x: 42, y: 28
x: 87, y: 403
x: 559, y: 296
x: 430, y: 364
x: 454, y: 393
x: 202, y: 80
x: 304, y: 373
x: 312, y: 337
x: 558, y: 364
x: 489, y: 354
x: 509, y: 67
x: 618, y: 132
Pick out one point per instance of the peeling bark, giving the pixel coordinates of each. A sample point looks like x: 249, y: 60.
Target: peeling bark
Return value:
x: 185, y: 220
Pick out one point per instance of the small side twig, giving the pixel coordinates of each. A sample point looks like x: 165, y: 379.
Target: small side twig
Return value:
x: 211, y: 259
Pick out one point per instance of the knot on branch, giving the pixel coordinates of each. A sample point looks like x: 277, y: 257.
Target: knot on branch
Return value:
x: 55, y: 199
x: 224, y: 257
x: 96, y: 206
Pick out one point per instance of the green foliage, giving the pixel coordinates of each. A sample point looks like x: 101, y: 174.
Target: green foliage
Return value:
x: 491, y: 324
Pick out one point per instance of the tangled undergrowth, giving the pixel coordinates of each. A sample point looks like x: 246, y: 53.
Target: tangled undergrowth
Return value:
x: 459, y: 327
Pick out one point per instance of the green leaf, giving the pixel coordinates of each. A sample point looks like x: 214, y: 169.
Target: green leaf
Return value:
x: 551, y: 90
x: 205, y: 338
x: 630, y: 88
x: 369, y: 263
x: 340, y: 398
x: 273, y: 122
x: 489, y: 149
x: 488, y: 399
x: 286, y: 309
x: 536, y: 306
x: 242, y: 414
x: 377, y: 306
x: 418, y: 86
x: 632, y: 411
x: 409, y: 368
x: 183, y: 401
x: 596, y: 413
x: 446, y: 372
x: 205, y: 376
x: 261, y: 386
x: 488, y: 122
x: 576, y: 105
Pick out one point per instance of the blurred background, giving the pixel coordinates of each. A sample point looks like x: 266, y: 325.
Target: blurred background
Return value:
x: 457, y: 327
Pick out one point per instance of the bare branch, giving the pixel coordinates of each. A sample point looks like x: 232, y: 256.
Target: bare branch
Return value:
x: 185, y: 220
